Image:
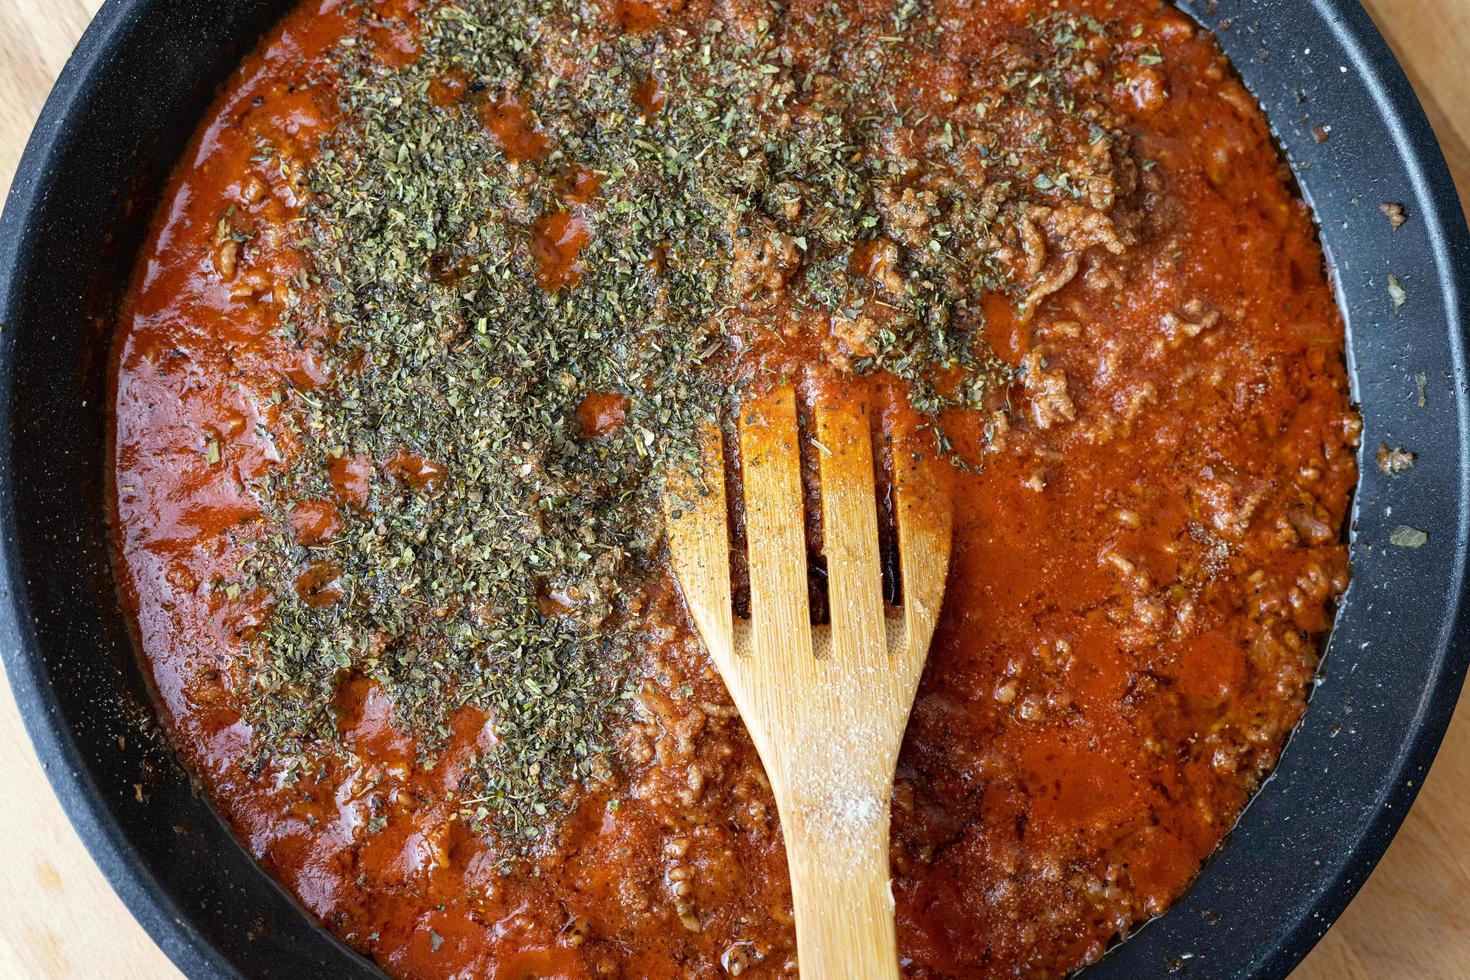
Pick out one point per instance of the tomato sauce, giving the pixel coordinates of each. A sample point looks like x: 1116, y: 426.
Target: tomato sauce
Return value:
x: 557, y: 245
x: 514, y: 130
x: 1142, y: 574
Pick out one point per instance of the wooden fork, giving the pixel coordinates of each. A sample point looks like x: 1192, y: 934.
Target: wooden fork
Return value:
x: 826, y: 706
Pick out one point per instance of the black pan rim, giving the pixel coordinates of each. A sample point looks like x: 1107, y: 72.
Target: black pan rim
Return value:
x: 171, y: 927
x: 1448, y: 231
x: 126, y: 872
x: 1398, y: 105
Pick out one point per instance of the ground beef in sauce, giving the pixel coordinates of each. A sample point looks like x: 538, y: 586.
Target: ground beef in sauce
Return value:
x: 1147, y: 545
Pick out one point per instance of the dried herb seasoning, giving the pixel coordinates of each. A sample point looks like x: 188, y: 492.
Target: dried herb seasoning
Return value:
x: 541, y: 210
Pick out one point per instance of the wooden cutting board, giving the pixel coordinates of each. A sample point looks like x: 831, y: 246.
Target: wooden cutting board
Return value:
x: 58, y: 918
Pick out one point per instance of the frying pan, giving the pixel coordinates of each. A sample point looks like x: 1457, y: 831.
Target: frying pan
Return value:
x: 121, y: 114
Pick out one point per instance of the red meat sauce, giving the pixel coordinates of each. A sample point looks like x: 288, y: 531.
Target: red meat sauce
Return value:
x: 1142, y: 573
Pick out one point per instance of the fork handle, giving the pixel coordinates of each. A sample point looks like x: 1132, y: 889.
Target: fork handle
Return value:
x: 843, y: 896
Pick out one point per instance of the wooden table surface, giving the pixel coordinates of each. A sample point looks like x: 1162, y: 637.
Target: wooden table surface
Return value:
x: 58, y: 917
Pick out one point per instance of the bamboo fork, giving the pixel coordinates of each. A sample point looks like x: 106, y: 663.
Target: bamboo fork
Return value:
x: 826, y: 706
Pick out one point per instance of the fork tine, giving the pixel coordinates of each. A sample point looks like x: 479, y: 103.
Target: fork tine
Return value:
x: 699, y: 545
x: 780, y: 616
x: 925, y: 525
x: 850, y: 530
